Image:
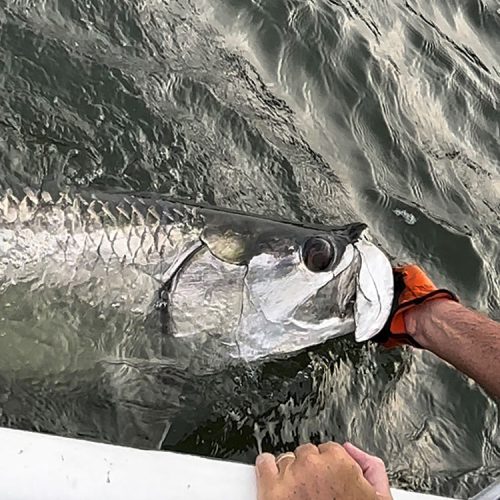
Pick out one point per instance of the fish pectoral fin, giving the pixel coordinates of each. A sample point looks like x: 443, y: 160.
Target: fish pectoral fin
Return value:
x: 169, y: 277
x: 169, y: 280
x: 180, y: 261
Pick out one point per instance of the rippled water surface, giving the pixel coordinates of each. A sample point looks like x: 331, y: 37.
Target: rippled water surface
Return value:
x: 313, y: 110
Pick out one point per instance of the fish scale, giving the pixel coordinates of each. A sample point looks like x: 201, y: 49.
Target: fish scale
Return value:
x: 77, y: 234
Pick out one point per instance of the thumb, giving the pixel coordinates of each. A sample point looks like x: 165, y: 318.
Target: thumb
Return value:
x: 373, y: 470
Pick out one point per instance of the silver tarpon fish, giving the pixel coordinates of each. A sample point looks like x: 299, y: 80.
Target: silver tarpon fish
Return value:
x: 255, y: 286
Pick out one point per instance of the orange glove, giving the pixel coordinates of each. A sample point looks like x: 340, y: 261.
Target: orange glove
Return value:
x: 412, y: 287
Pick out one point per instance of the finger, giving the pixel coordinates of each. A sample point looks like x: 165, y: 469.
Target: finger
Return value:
x: 364, y: 459
x: 284, y: 461
x: 331, y: 448
x: 267, y: 472
x: 306, y: 450
x: 373, y: 469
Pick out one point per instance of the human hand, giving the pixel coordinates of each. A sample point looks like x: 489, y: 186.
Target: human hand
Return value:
x: 324, y: 472
x: 373, y: 469
x: 412, y: 288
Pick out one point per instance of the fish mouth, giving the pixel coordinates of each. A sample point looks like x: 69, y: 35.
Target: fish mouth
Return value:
x: 374, y: 291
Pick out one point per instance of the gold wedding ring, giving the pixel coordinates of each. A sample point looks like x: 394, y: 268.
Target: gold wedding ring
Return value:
x: 283, y: 456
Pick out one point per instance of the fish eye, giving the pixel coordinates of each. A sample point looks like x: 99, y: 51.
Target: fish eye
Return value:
x: 318, y: 254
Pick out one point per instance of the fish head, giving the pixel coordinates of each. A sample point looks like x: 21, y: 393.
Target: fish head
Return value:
x: 294, y: 286
x: 321, y: 285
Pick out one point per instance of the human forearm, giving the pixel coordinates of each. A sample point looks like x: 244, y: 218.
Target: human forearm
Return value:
x: 466, y: 339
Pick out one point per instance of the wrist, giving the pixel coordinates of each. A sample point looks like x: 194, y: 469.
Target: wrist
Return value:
x: 424, y: 321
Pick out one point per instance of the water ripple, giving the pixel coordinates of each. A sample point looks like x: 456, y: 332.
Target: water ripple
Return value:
x: 314, y: 110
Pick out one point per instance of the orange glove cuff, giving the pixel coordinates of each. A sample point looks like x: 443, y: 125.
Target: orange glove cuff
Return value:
x: 398, y: 325
x: 418, y: 288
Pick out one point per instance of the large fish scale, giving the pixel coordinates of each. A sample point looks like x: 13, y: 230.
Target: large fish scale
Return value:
x: 122, y: 241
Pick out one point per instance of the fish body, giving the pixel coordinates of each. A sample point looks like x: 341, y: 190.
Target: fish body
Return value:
x: 212, y: 281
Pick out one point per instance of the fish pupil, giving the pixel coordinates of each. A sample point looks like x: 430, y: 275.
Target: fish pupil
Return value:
x: 318, y: 254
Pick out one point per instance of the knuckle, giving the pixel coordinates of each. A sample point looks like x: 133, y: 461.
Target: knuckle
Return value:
x: 330, y: 447
x: 309, y: 447
x: 306, y: 449
x: 335, y: 446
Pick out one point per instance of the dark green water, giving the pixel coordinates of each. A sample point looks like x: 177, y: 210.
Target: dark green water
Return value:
x: 313, y: 110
